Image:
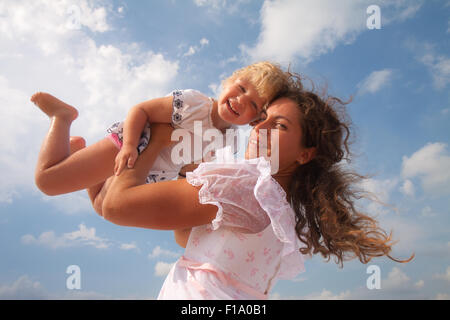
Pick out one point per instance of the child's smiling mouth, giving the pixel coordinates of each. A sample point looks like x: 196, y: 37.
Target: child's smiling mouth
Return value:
x: 230, y: 107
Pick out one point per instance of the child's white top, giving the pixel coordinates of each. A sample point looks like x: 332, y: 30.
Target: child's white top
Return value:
x: 189, y: 106
x: 248, y: 246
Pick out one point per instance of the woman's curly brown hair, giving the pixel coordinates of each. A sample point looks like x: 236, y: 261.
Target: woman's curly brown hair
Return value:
x: 323, y: 193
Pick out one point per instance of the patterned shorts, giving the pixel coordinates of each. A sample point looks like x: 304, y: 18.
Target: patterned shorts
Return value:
x: 115, y: 133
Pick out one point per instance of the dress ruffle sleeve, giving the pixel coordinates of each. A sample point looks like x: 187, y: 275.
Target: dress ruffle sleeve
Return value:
x: 272, y: 198
x: 248, y: 198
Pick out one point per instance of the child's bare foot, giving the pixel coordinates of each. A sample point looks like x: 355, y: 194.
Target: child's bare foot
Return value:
x: 76, y: 144
x: 54, y: 107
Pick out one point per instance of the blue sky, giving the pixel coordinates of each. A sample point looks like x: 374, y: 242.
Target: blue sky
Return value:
x: 104, y: 56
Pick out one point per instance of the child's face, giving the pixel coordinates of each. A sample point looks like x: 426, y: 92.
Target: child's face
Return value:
x: 239, y: 103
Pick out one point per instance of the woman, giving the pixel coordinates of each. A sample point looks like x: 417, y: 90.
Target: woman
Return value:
x: 250, y: 228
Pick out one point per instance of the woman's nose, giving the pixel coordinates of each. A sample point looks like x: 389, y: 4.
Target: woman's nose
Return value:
x: 262, y: 125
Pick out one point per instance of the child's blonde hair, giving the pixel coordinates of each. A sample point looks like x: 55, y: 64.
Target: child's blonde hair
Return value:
x: 268, y: 78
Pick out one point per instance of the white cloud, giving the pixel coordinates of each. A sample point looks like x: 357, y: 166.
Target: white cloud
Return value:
x: 49, y: 22
x: 308, y: 29
x: 192, y: 50
x: 445, y: 276
x: 195, y: 49
x: 82, y: 295
x: 408, y: 188
x: 396, y: 285
x: 442, y: 296
x: 215, y: 89
x: 23, y: 289
x: 93, y: 18
x: 380, y: 191
x: 40, y: 52
x: 15, y: 167
x: 157, y: 252
x: 72, y: 203
x: 274, y: 296
x: 431, y: 164
x: 162, y: 268
x: 232, y: 59
x: 428, y: 212
x: 129, y: 246
x: 396, y: 280
x: 375, y: 81
x: 402, y: 10
x: 408, y: 234
x: 438, y: 64
x: 82, y: 237
x: 204, y: 42
x: 419, y: 284
x: 211, y: 3
x: 328, y: 295
x: 220, y: 6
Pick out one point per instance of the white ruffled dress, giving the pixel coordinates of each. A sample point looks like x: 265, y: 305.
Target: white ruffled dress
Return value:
x: 248, y: 246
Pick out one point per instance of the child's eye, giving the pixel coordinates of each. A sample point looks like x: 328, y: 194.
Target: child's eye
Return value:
x: 242, y: 89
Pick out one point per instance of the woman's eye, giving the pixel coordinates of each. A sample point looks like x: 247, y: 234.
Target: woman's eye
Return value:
x: 242, y: 89
x: 280, y: 125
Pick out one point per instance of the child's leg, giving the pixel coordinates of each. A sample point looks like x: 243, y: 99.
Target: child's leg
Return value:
x: 97, y: 195
x: 59, y: 172
x: 76, y: 144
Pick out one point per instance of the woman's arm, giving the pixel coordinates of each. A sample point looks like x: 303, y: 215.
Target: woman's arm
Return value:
x: 166, y: 205
x: 182, y: 236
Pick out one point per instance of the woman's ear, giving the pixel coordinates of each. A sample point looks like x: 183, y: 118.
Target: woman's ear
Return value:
x: 306, y: 155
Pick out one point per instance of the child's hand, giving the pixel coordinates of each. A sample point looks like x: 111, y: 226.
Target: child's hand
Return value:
x: 126, y: 157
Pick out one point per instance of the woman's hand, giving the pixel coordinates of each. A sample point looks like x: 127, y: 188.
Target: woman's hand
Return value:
x: 126, y: 157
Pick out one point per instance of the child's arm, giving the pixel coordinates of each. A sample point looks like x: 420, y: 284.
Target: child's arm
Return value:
x: 154, y: 111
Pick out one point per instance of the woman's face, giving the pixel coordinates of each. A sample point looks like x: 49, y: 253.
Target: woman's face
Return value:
x: 239, y: 103
x: 283, y: 115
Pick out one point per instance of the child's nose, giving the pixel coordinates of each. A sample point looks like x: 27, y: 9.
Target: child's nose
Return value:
x: 244, y: 99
